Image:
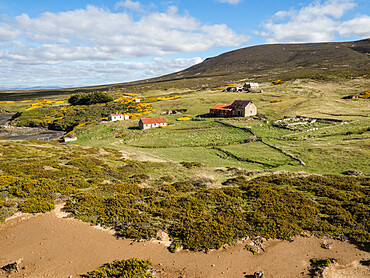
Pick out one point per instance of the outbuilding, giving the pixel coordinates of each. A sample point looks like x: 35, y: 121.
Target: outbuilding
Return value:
x: 249, y: 85
x: 240, y: 108
x: 117, y: 117
x: 153, y: 122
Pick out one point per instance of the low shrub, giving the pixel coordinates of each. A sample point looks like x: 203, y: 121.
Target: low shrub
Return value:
x: 174, y: 246
x: 90, y: 98
x: 131, y: 268
x: 250, y: 249
x: 36, y: 205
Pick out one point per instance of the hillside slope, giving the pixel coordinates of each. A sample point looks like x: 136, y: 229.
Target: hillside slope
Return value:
x: 296, y: 59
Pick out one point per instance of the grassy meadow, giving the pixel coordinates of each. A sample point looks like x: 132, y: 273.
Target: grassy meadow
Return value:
x: 196, y: 140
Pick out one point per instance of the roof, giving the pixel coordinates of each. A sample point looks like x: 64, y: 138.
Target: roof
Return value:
x: 222, y: 106
x: 240, y: 103
x: 116, y: 115
x: 153, y: 120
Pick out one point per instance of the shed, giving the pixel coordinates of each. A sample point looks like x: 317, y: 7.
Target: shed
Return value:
x: 153, y: 122
x: 117, y: 117
x: 249, y: 85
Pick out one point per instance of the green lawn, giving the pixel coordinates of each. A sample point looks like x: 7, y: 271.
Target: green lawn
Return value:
x: 186, y: 134
x: 260, y: 154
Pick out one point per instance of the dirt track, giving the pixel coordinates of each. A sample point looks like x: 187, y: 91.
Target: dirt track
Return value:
x: 57, y: 247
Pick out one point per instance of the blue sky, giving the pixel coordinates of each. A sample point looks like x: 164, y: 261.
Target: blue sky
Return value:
x: 90, y: 42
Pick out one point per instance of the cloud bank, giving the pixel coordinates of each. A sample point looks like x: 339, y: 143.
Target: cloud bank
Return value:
x: 98, y: 34
x: 95, y: 35
x: 317, y: 22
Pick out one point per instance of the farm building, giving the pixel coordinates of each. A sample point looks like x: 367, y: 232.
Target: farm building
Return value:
x: 146, y: 123
x: 234, y: 89
x: 221, y: 110
x: 117, y: 117
x: 249, y: 85
x: 241, y: 108
x: 69, y: 139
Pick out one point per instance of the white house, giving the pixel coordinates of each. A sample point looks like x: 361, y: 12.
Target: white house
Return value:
x: 70, y: 139
x: 117, y: 117
x: 146, y: 123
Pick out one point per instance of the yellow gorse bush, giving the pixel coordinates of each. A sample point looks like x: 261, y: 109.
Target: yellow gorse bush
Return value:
x: 278, y: 82
x: 365, y: 94
x: 183, y: 119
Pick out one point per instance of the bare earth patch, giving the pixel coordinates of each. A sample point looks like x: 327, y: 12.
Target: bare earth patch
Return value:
x: 62, y: 247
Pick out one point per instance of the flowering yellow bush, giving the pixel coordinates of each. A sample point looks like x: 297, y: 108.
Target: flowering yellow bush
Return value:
x: 163, y: 98
x: 364, y: 94
x: 217, y: 89
x: 275, y: 100
x: 33, y: 107
x: 183, y: 119
x: 278, y: 82
x: 231, y: 84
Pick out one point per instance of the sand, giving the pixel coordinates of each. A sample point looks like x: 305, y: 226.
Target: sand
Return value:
x: 52, y: 246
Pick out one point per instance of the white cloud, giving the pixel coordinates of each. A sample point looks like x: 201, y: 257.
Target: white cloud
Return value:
x: 233, y: 2
x: 130, y: 5
x: 358, y: 27
x: 317, y: 22
x: 98, y: 34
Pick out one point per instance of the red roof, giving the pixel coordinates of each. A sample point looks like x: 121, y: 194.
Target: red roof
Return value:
x: 222, y: 106
x: 240, y: 103
x: 153, y: 120
x: 116, y: 115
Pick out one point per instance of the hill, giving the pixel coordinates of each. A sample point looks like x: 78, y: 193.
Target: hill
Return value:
x: 291, y: 60
x: 288, y: 61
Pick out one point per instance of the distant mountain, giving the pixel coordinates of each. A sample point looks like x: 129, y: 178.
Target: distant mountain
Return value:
x: 10, y: 88
x: 293, y: 60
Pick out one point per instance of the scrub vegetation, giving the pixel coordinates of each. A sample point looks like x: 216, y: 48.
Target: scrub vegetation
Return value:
x: 201, y: 207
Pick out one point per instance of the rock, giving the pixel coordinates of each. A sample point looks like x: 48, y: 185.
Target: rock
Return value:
x: 12, y: 267
x: 4, y: 188
x: 258, y: 274
x: 353, y: 172
x: 326, y: 245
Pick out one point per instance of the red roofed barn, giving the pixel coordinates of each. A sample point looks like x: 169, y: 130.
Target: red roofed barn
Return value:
x: 241, y: 108
x: 221, y: 110
x: 146, y: 123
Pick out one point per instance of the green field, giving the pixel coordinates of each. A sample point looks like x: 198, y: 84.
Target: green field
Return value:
x: 195, y: 140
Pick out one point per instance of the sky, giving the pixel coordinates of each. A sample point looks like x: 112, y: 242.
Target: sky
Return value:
x: 74, y: 43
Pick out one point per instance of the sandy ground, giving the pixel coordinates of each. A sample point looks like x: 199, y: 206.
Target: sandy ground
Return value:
x: 52, y: 246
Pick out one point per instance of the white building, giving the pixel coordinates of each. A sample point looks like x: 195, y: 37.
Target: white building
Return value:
x: 117, y: 117
x: 251, y: 85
